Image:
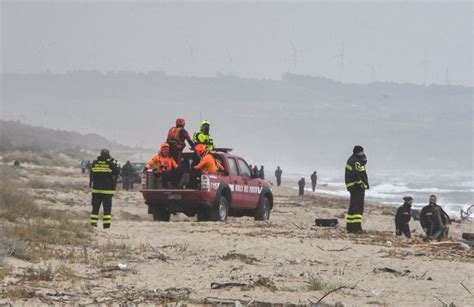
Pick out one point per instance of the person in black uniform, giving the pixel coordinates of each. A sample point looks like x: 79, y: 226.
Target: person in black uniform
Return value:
x: 403, y: 217
x: 102, y: 180
x: 278, y: 174
x: 301, y: 184
x: 356, y: 182
x: 314, y: 180
x: 434, y: 220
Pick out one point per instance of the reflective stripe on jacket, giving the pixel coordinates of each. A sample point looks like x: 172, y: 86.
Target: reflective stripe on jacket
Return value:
x: 103, y: 175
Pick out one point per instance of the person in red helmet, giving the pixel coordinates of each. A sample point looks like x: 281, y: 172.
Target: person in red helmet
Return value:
x: 177, y: 137
x: 208, y: 164
x: 162, y: 164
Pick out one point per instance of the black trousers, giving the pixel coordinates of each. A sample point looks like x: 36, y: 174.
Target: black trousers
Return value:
x: 313, y: 185
x: 127, y: 182
x: 278, y: 181
x: 106, y: 201
x: 301, y: 191
x: 356, y: 210
x: 405, y: 230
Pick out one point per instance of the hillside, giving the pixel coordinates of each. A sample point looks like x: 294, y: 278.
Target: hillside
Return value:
x: 19, y: 136
x: 403, y: 126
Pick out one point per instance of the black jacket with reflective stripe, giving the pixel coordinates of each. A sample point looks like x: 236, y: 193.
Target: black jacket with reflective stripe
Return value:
x: 103, y: 174
x: 356, y: 175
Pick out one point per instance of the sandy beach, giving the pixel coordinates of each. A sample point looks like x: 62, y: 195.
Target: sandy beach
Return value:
x: 287, y: 260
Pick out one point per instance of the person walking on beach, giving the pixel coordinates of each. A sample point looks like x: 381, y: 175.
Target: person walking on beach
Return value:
x: 103, y: 180
x: 356, y: 182
x: 434, y: 220
x: 403, y: 217
x: 301, y: 184
x: 314, y: 180
x: 278, y: 174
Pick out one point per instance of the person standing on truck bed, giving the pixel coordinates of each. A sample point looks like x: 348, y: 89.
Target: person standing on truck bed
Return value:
x: 103, y: 180
x: 203, y: 136
x: 207, y: 164
x: 162, y: 164
x: 356, y: 182
x: 177, y: 137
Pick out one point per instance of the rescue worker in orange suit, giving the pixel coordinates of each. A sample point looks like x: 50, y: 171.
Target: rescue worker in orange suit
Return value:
x: 403, y: 217
x: 356, y: 182
x: 177, y: 136
x: 434, y: 220
x: 162, y: 164
x: 103, y: 180
x: 207, y: 164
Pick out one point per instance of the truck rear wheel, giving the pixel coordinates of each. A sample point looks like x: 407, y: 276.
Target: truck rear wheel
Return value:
x: 161, y: 215
x: 263, y: 210
x: 219, y: 211
x: 202, y: 215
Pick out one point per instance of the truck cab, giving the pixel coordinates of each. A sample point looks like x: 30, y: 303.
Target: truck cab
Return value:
x: 235, y: 191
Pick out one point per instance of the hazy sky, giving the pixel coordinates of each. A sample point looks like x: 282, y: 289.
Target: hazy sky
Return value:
x: 395, y: 41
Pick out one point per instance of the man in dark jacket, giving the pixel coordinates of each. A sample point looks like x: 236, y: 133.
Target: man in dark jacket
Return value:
x: 403, y: 217
x: 255, y: 172
x: 261, y: 173
x: 314, y: 180
x: 103, y: 179
x: 301, y: 184
x: 128, y: 175
x: 434, y: 220
x: 278, y: 174
x: 356, y: 182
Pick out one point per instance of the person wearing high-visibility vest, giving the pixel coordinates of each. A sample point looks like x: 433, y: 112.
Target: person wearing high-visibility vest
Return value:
x: 356, y: 182
x: 203, y: 136
x: 103, y: 180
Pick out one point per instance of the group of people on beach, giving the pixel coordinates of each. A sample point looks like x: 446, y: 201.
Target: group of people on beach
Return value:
x: 433, y: 219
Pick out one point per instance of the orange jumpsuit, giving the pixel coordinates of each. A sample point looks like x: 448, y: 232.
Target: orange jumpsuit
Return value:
x: 162, y: 164
x: 208, y: 164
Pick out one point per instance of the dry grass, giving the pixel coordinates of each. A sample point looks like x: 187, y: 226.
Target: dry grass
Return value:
x: 15, y: 248
x: 5, y: 270
x: 45, y: 273
x: 37, y: 183
x: 241, y: 257
x: 15, y: 204
x: 42, y: 232
x: 18, y: 292
x: 316, y: 283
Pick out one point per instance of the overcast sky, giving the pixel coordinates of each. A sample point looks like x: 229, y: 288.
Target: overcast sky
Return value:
x: 398, y: 41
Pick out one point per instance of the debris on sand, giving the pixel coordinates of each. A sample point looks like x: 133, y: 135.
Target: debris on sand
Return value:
x: 232, y: 255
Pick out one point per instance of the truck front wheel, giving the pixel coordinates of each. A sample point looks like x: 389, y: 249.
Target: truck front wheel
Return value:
x: 161, y: 215
x: 263, y: 210
x: 219, y: 211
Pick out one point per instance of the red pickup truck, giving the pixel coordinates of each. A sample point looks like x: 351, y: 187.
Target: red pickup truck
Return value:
x: 212, y: 197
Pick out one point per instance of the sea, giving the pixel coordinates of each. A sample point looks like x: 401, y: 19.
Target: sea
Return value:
x: 454, y: 190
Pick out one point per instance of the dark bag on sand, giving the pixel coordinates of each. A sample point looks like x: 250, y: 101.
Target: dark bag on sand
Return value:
x: 326, y: 222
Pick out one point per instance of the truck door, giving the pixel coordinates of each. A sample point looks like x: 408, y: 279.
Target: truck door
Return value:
x: 246, y: 175
x: 236, y: 184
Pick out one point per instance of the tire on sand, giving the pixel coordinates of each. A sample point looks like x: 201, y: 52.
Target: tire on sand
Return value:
x: 202, y: 215
x: 220, y: 211
x: 161, y: 215
x: 263, y: 210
